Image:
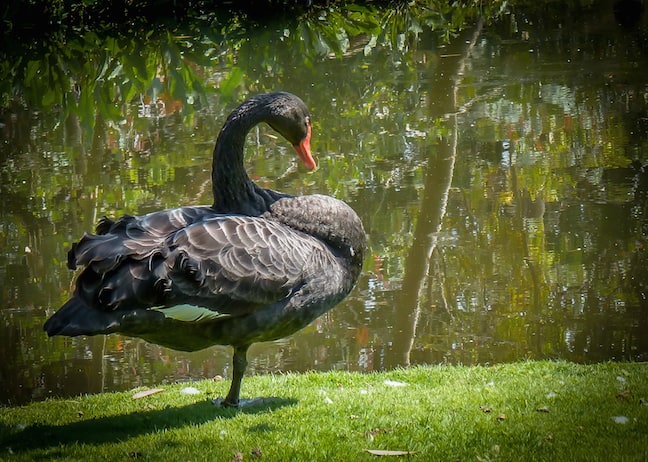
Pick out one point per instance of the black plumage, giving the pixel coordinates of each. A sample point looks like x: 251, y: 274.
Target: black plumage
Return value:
x: 257, y: 265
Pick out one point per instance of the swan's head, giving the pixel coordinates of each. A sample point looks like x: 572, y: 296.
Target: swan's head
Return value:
x: 289, y: 116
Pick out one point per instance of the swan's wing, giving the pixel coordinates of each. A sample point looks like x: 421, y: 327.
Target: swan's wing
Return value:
x: 136, y: 237
x: 220, y: 265
x: 236, y: 261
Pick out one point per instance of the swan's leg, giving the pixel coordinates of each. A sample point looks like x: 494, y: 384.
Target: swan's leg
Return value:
x: 239, y: 361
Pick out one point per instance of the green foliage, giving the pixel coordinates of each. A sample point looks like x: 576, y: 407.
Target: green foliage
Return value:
x: 93, y: 75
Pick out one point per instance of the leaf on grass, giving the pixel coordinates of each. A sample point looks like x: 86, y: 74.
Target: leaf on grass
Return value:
x: 393, y: 383
x: 386, y: 452
x: 501, y: 417
x: 145, y: 393
x: 485, y: 409
x: 624, y: 394
x: 544, y: 409
x: 256, y: 452
x: 190, y: 391
x: 238, y: 457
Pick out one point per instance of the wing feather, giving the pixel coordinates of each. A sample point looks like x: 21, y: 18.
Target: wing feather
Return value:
x: 131, y: 237
x: 189, y: 257
x: 247, y: 258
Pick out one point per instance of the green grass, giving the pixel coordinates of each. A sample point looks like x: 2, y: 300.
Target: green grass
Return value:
x: 553, y: 411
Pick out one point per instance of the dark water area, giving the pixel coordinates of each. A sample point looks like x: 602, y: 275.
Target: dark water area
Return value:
x: 501, y: 174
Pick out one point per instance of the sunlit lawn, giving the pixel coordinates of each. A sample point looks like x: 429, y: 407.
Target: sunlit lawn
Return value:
x: 552, y: 411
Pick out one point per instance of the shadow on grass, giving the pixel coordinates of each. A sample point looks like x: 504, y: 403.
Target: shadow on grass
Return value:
x: 118, y: 428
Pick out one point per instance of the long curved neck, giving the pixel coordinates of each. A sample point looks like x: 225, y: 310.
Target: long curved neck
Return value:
x: 233, y: 190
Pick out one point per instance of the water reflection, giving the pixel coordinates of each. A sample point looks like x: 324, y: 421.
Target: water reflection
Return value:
x: 502, y: 179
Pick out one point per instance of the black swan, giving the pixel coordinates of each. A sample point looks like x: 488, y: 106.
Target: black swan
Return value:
x: 257, y: 265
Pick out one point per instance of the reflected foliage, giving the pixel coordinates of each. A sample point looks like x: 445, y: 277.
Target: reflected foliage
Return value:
x: 541, y: 249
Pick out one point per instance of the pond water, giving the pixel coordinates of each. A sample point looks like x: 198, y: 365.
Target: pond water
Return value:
x: 502, y: 177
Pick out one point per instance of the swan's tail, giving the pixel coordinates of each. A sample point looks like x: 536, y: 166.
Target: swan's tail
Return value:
x: 76, y: 318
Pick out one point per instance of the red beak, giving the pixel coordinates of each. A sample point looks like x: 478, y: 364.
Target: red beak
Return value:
x: 304, y: 152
